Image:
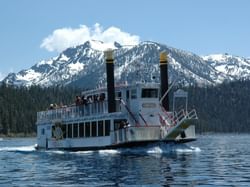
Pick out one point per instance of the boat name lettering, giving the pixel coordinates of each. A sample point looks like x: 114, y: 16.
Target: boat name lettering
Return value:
x: 148, y: 105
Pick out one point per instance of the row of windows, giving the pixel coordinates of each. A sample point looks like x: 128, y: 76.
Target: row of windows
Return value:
x: 149, y: 93
x: 146, y: 93
x: 87, y: 129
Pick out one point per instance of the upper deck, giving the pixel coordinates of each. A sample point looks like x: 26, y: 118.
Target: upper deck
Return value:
x: 75, y: 112
x: 94, y: 102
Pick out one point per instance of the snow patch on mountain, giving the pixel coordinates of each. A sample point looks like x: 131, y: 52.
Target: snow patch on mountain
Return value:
x: 234, y: 67
x: 76, y: 67
x: 43, y: 62
x: 64, y: 58
x: 84, y: 66
x: 216, y: 57
x: 29, y: 75
x: 101, y: 46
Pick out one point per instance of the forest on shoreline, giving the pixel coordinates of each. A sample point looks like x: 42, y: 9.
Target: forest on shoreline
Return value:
x: 221, y: 108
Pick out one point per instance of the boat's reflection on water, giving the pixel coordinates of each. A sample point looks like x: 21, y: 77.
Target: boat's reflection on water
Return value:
x: 155, y: 165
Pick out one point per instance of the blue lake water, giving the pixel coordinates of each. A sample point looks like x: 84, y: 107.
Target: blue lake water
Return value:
x: 213, y: 160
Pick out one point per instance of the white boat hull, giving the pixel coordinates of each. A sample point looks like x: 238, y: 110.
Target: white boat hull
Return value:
x: 125, y: 137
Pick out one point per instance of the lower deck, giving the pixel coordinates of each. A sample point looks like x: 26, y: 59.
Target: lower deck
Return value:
x: 106, y: 134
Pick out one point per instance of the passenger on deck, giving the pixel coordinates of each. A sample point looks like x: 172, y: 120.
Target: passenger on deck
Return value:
x: 78, y: 100
x: 84, y: 100
x: 51, y: 107
x: 61, y: 105
x: 89, y: 98
x: 102, y: 97
x: 55, y: 106
x: 95, y: 98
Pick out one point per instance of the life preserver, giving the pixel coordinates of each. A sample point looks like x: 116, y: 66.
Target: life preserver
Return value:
x: 57, y: 131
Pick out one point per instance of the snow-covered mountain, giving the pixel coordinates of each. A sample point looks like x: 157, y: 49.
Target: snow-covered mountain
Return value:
x: 234, y: 67
x: 84, y: 66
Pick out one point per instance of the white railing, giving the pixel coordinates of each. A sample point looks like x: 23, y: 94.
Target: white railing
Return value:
x: 192, y: 114
x: 178, y: 117
x: 182, y: 115
x: 168, y: 116
x: 73, y: 112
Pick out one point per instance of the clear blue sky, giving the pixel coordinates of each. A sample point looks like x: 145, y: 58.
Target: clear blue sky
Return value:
x: 199, y: 26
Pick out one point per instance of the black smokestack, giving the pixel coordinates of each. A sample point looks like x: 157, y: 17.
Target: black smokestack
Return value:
x: 164, y: 79
x: 110, y: 80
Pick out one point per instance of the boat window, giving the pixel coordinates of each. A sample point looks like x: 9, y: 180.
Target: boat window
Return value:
x: 75, y: 130
x: 81, y: 129
x: 69, y: 130
x: 118, y: 95
x: 127, y: 94
x: 133, y: 94
x: 107, y: 127
x: 64, y: 130
x: 149, y: 93
x: 120, y: 136
x: 93, y: 128
x: 42, y: 131
x: 100, y: 128
x: 87, y: 129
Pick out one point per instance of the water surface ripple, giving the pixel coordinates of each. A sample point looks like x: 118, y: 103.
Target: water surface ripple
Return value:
x: 213, y: 160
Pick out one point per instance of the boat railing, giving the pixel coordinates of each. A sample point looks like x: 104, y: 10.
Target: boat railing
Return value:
x: 73, y: 112
x: 192, y: 114
x: 179, y: 115
x: 176, y: 118
x: 182, y: 115
x: 168, y: 116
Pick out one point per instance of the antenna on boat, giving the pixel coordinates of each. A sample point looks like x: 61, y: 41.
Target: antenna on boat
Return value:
x: 166, y: 93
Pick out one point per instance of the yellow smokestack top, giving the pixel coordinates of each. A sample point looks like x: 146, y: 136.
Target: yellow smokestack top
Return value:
x: 163, y: 57
x: 109, y: 56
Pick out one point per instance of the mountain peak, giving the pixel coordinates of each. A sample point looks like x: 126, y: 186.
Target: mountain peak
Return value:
x: 84, y: 65
x: 117, y: 45
x: 234, y: 67
x: 101, y: 46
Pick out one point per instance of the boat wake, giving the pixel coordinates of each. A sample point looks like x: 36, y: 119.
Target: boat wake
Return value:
x: 153, y: 149
x: 163, y: 149
x: 146, y: 150
x: 30, y: 148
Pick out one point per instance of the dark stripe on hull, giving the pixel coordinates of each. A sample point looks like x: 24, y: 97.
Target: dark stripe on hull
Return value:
x: 122, y: 145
